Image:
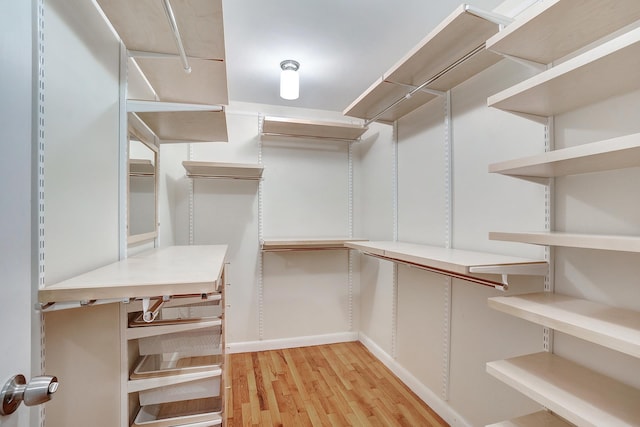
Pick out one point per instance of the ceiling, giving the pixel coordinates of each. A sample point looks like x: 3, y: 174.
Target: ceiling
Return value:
x: 342, y: 45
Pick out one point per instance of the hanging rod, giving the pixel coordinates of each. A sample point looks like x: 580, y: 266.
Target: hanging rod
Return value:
x: 466, y: 57
x: 424, y: 89
x: 326, y: 138
x: 176, y: 35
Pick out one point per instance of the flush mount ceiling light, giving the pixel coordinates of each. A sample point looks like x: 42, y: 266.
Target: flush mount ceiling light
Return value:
x: 289, y: 80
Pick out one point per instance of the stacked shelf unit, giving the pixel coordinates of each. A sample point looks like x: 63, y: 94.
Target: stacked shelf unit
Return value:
x: 172, y: 331
x: 591, y: 64
x: 452, y: 53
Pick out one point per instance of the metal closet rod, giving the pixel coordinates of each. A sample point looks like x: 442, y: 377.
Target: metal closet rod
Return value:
x: 176, y: 35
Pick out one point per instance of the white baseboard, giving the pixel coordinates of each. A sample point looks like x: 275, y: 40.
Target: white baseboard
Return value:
x: 277, y: 344
x: 426, y: 394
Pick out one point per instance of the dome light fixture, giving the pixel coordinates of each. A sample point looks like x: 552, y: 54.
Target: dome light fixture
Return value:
x: 289, y: 79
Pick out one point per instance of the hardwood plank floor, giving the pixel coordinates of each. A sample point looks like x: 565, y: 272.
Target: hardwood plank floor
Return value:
x: 328, y: 385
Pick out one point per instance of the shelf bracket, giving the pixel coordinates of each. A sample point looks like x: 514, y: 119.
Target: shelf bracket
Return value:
x: 537, y: 66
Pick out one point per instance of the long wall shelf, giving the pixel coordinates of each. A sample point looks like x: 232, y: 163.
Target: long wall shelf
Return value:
x: 537, y: 419
x: 437, y: 58
x: 276, y: 245
x: 578, y: 394
x: 552, y: 29
x: 571, y: 240
x: 280, y: 126
x: 610, y: 154
x: 608, y: 326
x: 609, y: 69
x: 244, y: 171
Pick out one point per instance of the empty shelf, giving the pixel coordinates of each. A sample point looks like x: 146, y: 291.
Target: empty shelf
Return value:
x: 175, y: 270
x: 578, y: 394
x: 147, y: 383
x: 187, y: 126
x: 433, y: 58
x: 151, y: 330
x: 615, y: 153
x: 537, y: 419
x: 223, y: 170
x: 552, y: 29
x: 312, y: 128
x: 141, y: 167
x: 197, y: 412
x: 305, y: 244
x: 155, y: 365
x: 143, y: 26
x: 600, y: 73
x: 571, y: 240
x: 608, y: 326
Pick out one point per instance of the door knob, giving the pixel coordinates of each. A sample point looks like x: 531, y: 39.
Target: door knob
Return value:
x: 39, y: 390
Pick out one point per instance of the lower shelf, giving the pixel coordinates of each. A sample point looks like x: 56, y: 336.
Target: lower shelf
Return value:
x: 157, y: 365
x: 185, y: 413
x: 578, y: 394
x: 537, y: 419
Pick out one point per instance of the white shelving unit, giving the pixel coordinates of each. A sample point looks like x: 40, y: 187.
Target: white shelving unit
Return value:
x: 450, y: 54
x: 275, y: 245
x: 571, y: 240
x: 578, y: 394
x: 280, y: 126
x: 244, y: 171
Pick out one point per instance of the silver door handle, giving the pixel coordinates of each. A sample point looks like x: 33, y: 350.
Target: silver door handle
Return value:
x: 16, y: 390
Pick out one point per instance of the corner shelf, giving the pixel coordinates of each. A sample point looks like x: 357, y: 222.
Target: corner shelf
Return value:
x: 612, y: 327
x: 452, y: 262
x: 537, y: 419
x: 567, y: 389
x: 141, y: 167
x: 609, y: 69
x: 275, y: 245
x: 279, y: 126
x: 437, y: 57
x: 571, y: 240
x: 219, y: 170
x: 610, y: 154
x: 552, y: 29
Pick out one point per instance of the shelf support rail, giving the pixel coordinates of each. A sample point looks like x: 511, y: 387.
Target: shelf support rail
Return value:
x: 176, y: 35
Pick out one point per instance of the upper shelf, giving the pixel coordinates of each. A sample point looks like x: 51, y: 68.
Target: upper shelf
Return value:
x: 186, y: 126
x: 141, y: 167
x: 273, y: 245
x: 223, y: 170
x: 608, y: 326
x: 609, y: 69
x: 454, y: 262
x: 551, y: 29
x: 312, y: 129
x: 571, y: 240
x: 437, y: 57
x: 175, y: 270
x: 610, y: 154
x: 143, y: 26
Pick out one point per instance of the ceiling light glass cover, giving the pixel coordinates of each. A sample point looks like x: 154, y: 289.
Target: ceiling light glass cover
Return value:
x: 289, y: 79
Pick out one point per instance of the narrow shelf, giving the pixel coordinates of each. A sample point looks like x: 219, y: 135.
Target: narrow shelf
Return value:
x: 578, y: 394
x: 156, y: 365
x: 537, y: 419
x: 154, y: 330
x: 551, y: 29
x: 571, y: 240
x: 141, y: 167
x: 610, y: 154
x: 166, y: 380
x: 272, y: 245
x: 189, y: 413
x: 612, y: 327
x: 143, y: 26
x: 244, y: 171
x: 452, y: 262
x: 312, y: 128
x: 175, y: 270
x: 458, y: 35
x: 602, y: 72
x: 186, y: 126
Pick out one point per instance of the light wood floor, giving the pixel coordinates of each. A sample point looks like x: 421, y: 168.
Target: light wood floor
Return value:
x: 328, y: 385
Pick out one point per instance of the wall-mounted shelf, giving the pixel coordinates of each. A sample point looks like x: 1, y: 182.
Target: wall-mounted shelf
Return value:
x: 274, y: 245
x: 186, y: 126
x: 609, y: 69
x: 223, y: 170
x: 141, y: 167
x: 571, y: 240
x: 615, y: 153
x: 552, y: 29
x: 537, y: 419
x: 175, y: 270
x: 279, y: 126
x: 452, y: 262
x: 608, y: 326
x: 444, y: 58
x: 578, y: 394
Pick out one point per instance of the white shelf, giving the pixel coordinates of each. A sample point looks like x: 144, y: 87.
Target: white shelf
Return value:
x: 571, y: 240
x: 311, y: 128
x: 552, y: 29
x: 175, y: 270
x: 244, y: 171
x: 162, y: 381
x: 608, y: 326
x: 602, y: 72
x: 186, y: 126
x: 273, y: 245
x: 456, y: 36
x: 141, y: 167
x: 610, y: 154
x: 578, y: 394
x: 537, y: 419
x: 154, y: 330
